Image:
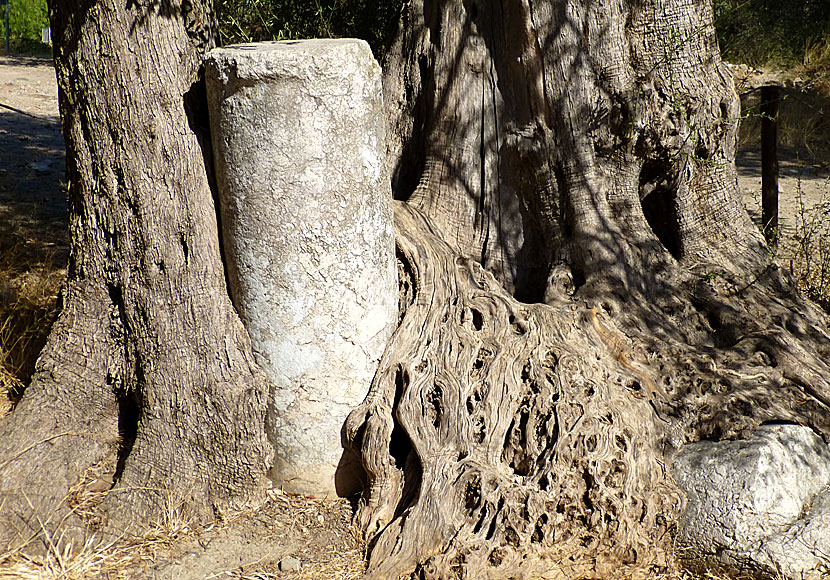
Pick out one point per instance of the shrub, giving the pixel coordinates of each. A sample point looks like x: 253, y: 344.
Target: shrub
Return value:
x: 27, y: 18
x: 811, y: 262
x: 255, y: 20
x: 770, y: 32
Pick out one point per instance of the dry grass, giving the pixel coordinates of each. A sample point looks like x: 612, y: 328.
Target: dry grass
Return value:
x: 114, y: 559
x: 92, y: 560
x: 810, y: 246
x: 816, y: 65
x: 31, y: 272
x: 340, y: 555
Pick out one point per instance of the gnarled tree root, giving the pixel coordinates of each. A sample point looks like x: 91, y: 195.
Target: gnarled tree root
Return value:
x: 498, y: 438
x: 512, y: 440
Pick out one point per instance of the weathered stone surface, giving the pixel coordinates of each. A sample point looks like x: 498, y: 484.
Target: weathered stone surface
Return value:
x: 299, y: 142
x: 803, y: 550
x: 761, y: 504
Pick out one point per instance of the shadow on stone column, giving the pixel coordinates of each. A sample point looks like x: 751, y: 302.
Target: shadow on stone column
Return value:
x: 306, y: 211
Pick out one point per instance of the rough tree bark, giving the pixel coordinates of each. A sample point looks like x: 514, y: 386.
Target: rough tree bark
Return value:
x: 525, y: 411
x: 148, y: 379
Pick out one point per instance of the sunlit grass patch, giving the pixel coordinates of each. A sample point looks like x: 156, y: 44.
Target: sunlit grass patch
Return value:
x: 816, y: 65
x: 811, y: 248
x: 31, y: 272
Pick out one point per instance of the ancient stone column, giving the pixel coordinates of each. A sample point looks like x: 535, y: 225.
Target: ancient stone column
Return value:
x: 306, y: 217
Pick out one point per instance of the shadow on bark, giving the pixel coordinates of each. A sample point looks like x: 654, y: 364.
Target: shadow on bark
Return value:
x: 584, y: 157
x: 148, y: 376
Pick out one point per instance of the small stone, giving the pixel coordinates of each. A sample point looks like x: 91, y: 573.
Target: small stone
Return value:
x: 43, y: 166
x: 762, y: 503
x: 289, y: 564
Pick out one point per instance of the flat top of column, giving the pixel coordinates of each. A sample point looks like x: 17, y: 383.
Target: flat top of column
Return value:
x: 310, y: 46
x: 278, y: 57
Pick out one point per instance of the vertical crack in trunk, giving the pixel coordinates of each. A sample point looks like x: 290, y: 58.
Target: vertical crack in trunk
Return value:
x: 484, y: 208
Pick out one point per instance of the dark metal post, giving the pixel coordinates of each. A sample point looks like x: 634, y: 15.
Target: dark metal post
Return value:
x: 6, y: 2
x: 770, y: 98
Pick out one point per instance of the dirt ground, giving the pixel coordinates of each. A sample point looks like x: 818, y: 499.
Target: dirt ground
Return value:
x: 286, y: 537
x: 33, y: 216
x: 800, y: 181
x: 256, y: 543
x: 32, y: 166
x: 286, y: 531
x: 804, y: 172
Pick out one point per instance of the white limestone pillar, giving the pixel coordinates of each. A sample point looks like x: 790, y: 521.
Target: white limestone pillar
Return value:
x: 306, y: 216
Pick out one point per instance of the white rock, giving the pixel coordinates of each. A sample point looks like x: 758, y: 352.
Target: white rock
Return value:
x: 306, y: 211
x: 288, y: 564
x: 762, y: 503
x: 803, y: 550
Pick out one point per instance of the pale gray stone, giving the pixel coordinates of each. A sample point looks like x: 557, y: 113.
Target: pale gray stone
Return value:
x: 760, y: 504
x: 803, y: 550
x: 306, y: 211
x: 289, y: 564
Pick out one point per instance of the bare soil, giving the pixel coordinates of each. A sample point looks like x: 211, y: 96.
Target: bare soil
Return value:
x: 803, y: 195
x: 800, y: 181
x: 258, y: 543
x: 33, y: 217
x: 803, y: 158
x: 32, y: 159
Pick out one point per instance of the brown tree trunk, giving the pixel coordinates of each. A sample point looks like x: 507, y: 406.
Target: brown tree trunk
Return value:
x: 148, y: 379
x: 525, y: 413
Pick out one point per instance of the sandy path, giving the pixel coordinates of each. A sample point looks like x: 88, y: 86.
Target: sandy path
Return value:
x: 803, y: 194
x: 32, y: 159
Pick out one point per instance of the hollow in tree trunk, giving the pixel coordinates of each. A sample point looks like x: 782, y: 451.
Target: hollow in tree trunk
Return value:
x: 582, y: 292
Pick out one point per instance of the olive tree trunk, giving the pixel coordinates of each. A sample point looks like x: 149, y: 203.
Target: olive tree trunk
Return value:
x: 147, y: 381
x: 582, y: 292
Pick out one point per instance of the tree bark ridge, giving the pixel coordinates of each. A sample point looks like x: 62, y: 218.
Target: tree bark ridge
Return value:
x: 504, y: 438
x: 497, y: 404
x: 166, y: 368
